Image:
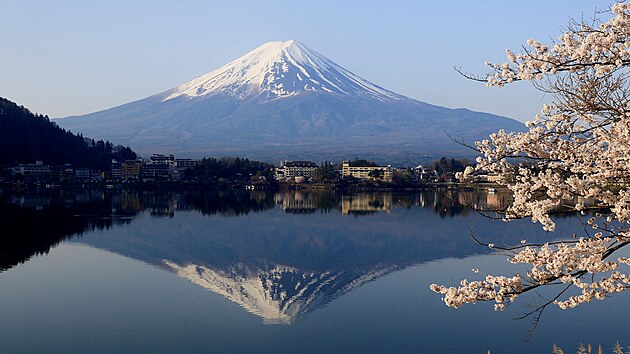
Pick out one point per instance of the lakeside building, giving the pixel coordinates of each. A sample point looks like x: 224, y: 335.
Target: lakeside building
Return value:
x: 155, y: 172
x: 35, y: 171
x: 186, y: 163
x: 384, y: 173
x: 160, y: 159
x: 295, y: 169
x: 493, y: 178
x: 425, y: 174
x: 485, y: 177
x: 130, y: 169
x: 156, y: 168
x: 55, y: 174
x: 165, y: 167
x: 82, y: 173
x: 63, y: 173
x: 116, y: 170
x: 181, y: 165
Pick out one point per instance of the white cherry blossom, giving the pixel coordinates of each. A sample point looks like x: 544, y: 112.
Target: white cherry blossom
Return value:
x: 573, y: 157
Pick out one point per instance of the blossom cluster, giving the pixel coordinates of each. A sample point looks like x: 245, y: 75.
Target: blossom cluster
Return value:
x: 564, y: 262
x: 602, y: 49
x: 500, y: 289
x: 574, y: 156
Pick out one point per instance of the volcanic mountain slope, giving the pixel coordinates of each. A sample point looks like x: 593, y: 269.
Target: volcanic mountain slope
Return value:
x: 286, y: 100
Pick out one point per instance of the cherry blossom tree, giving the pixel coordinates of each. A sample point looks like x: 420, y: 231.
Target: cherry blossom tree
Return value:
x: 576, y: 149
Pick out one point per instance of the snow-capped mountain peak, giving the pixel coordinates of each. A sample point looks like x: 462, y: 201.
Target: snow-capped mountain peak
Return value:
x: 284, y: 99
x: 280, y: 69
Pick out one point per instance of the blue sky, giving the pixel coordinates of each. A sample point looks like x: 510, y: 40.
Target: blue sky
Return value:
x: 74, y: 57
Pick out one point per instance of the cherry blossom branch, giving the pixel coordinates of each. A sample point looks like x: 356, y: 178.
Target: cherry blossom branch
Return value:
x: 578, y: 148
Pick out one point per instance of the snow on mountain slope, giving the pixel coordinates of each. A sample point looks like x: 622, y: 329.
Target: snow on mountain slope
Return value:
x: 279, y: 294
x: 280, y: 69
x: 284, y: 100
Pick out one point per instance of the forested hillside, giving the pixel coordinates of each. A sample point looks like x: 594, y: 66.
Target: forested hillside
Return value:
x: 26, y: 137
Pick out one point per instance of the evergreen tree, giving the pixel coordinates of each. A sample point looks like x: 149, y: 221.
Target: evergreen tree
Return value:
x: 26, y: 137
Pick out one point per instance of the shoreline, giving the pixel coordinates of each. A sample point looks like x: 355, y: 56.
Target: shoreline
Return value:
x: 242, y: 185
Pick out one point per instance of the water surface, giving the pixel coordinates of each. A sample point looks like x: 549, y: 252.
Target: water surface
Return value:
x: 208, y: 271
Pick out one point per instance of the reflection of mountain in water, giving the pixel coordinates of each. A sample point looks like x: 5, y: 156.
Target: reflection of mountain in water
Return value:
x: 45, y: 218
x: 277, y: 294
x: 277, y: 266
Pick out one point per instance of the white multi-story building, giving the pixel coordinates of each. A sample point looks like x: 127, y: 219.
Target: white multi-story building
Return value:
x: 36, y: 170
x: 181, y: 165
x: 162, y: 159
x: 291, y: 169
x: 384, y: 173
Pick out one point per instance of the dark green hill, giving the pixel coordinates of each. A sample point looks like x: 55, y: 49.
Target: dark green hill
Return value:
x: 26, y: 137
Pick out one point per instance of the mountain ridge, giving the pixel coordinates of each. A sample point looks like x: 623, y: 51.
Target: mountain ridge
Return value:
x: 285, y: 100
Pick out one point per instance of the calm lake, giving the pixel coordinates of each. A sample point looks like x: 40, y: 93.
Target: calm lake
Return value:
x: 269, y: 272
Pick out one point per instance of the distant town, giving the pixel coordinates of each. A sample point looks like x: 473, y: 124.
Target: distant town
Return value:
x: 36, y: 152
x: 235, y: 172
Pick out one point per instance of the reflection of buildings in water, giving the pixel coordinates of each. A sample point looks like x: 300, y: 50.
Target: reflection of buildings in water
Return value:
x: 498, y: 201
x: 160, y: 212
x: 39, y: 201
x: 433, y: 200
x: 296, y: 202
x: 278, y: 294
x: 483, y: 201
x: 163, y: 207
x: 421, y: 200
x: 472, y: 199
x: 35, y: 202
x: 363, y: 202
x: 130, y: 201
x: 179, y: 203
x: 158, y: 204
x: 234, y: 203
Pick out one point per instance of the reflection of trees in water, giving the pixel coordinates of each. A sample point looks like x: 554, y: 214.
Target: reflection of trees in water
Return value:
x: 452, y: 203
x: 33, y: 223
x: 36, y: 221
x: 42, y: 219
x: 279, y: 272
x: 443, y: 203
x: 367, y: 203
x: 229, y: 202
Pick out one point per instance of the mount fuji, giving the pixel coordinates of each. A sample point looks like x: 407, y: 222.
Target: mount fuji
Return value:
x: 284, y: 99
